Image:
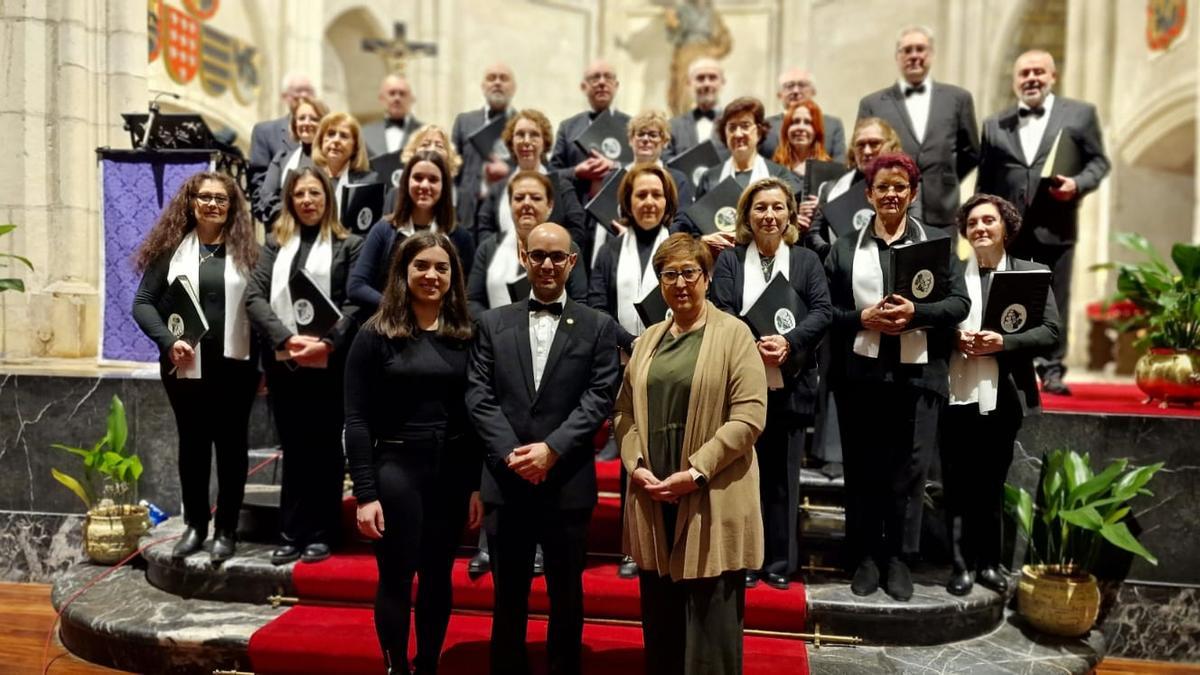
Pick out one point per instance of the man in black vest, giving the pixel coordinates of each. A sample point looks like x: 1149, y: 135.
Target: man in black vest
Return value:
x: 543, y: 376
x: 478, y: 171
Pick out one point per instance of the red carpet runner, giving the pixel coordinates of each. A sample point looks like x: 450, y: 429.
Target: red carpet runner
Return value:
x: 1097, y: 398
x: 332, y: 629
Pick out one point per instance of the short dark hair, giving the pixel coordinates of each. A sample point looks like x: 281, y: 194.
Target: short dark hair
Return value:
x: 740, y: 106
x: 538, y: 176
x: 894, y: 160
x: 625, y: 192
x: 681, y: 246
x: 1008, y: 213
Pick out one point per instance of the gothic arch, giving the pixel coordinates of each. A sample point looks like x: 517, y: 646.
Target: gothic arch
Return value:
x: 350, y: 76
x: 1162, y: 134
x: 1032, y: 24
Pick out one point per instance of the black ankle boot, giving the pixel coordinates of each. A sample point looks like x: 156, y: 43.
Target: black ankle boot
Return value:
x: 192, y: 540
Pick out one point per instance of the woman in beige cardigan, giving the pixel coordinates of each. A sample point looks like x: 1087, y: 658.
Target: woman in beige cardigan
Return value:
x: 692, y: 404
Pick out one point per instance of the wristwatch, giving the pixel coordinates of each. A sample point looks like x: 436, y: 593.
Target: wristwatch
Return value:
x: 698, y: 477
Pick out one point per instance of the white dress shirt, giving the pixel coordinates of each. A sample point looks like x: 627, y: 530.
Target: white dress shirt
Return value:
x: 393, y: 135
x: 542, y: 327
x: 1031, y: 128
x: 704, y: 129
x: 918, y: 106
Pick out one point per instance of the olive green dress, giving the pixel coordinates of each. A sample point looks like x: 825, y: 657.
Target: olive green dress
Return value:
x: 668, y: 389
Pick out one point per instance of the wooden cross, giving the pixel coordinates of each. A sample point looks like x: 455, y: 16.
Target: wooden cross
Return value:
x: 398, y: 50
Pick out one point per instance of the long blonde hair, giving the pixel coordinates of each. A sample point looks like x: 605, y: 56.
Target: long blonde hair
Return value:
x: 289, y: 223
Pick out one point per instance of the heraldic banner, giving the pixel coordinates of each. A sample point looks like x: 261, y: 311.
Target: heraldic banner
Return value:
x: 135, y: 188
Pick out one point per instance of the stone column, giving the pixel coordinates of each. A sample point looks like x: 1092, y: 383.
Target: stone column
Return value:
x: 71, y: 69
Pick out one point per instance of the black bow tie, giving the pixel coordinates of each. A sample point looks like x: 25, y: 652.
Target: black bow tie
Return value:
x: 593, y: 114
x: 1036, y: 112
x: 909, y: 91
x: 555, y: 308
x: 701, y: 114
x: 393, y: 122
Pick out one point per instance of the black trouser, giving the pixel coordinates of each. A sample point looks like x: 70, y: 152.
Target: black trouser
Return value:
x: 1060, y: 259
x: 514, y: 530
x: 780, y: 451
x: 693, y: 627
x: 889, y: 432
x: 424, y: 496
x: 976, y: 452
x: 213, y: 411
x: 307, y: 403
x: 827, y: 440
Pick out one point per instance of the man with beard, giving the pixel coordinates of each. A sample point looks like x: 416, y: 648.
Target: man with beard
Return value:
x: 796, y: 86
x: 478, y: 171
x: 707, y: 78
x: 1016, y: 145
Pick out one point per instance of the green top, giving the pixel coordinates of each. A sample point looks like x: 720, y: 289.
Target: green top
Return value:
x: 668, y: 388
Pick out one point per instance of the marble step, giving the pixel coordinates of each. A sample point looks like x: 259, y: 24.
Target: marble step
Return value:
x: 248, y: 576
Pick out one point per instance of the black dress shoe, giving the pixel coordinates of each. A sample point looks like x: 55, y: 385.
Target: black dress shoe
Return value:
x: 190, y: 542
x: 776, y: 580
x: 224, y: 546
x: 628, y: 568
x: 960, y: 582
x: 866, y: 578
x: 285, y: 554
x: 751, y: 578
x: 833, y: 470
x: 539, y: 563
x: 1053, y: 384
x: 480, y: 564
x: 990, y: 577
x: 899, y: 580
x: 315, y: 552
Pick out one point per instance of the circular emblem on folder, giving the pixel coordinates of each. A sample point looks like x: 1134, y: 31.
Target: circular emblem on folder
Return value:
x: 725, y: 218
x: 500, y: 150
x: 862, y: 217
x: 697, y: 174
x: 364, y: 218
x: 784, y: 320
x: 175, y: 325
x: 1013, y: 318
x: 610, y: 148
x: 396, y: 177
x: 922, y: 284
x: 304, y: 312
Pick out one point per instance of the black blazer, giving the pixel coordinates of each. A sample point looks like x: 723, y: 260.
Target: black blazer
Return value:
x: 267, y: 139
x: 1016, y: 361
x: 835, y: 137
x: 940, y: 319
x: 268, y: 201
x: 258, y: 295
x: 602, y: 287
x: 567, y: 210
x: 712, y: 177
x: 470, y: 175
x: 576, y: 395
x: 950, y: 148
x: 1004, y: 173
x: 477, y: 297
x: 375, y: 138
x: 565, y: 154
x: 683, y: 136
x: 807, y: 276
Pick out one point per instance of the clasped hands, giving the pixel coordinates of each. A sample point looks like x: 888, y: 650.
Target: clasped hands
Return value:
x: 532, y: 461
x: 669, y: 489
x: 774, y: 350
x: 979, y: 342
x: 308, y: 350
x: 595, y: 167
x: 891, y: 316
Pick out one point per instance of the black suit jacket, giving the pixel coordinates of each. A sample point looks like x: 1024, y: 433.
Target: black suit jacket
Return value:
x: 477, y: 295
x: 576, y: 395
x: 835, y: 137
x: 267, y: 139
x: 376, y: 140
x: 470, y: 175
x: 1017, y: 377
x: 565, y: 154
x: 683, y: 136
x: 268, y: 201
x: 949, y: 150
x: 1003, y: 171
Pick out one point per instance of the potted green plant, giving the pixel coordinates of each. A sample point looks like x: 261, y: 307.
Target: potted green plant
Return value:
x: 9, y: 283
x: 1078, y: 510
x: 1169, y: 321
x: 109, y: 490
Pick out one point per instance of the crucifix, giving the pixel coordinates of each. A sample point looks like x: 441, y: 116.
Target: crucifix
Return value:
x: 397, y: 51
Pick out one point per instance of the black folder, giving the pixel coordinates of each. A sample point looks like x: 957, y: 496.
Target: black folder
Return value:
x: 362, y: 206
x: 486, y: 140
x: 850, y: 210
x: 778, y: 310
x: 716, y: 211
x: 653, y: 308
x: 184, y: 315
x: 698, y: 159
x: 314, y: 312
x: 604, y: 207
x: 920, y: 270
x: 1064, y: 158
x: 606, y: 135
x: 520, y: 289
x: 817, y: 172
x: 1016, y: 301
x: 388, y: 167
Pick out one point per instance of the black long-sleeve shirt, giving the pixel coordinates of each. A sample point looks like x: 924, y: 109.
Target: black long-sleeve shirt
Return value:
x: 149, y: 303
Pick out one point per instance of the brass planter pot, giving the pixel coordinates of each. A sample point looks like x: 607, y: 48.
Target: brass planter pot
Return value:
x: 1058, y: 604
x: 111, y: 533
x: 1169, y: 376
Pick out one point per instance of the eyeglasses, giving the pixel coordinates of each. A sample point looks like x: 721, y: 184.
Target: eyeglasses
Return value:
x: 899, y: 189
x: 597, y: 77
x: 650, y: 134
x: 557, y: 258
x: 209, y: 198
x: 690, y: 276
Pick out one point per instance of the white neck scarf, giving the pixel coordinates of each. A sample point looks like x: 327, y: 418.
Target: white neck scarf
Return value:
x: 633, y: 282
x: 292, y: 163
x: 758, y: 170
x: 504, y: 211
x: 840, y: 186
x: 753, y: 286
x: 867, y: 282
x: 318, y: 264
x: 503, y: 269
x: 975, y: 380
x: 186, y: 262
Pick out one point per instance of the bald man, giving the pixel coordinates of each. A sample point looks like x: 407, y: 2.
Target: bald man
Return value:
x: 390, y: 133
x: 478, y: 171
x: 707, y: 79
x: 796, y: 86
x: 542, y: 379
x: 599, y: 85
x: 270, y: 136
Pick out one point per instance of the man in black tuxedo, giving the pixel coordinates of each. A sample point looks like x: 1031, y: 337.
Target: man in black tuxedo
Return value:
x: 393, y: 131
x: 542, y: 379
x: 936, y: 123
x: 692, y: 128
x: 796, y: 86
x: 478, y: 171
x: 1017, y: 142
x: 270, y: 136
x: 600, y: 85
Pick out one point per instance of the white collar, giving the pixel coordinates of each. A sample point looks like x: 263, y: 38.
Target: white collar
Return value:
x: 1047, y: 103
x: 927, y: 83
x: 561, y: 298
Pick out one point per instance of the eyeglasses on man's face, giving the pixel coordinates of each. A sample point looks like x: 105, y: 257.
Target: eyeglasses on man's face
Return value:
x: 557, y: 258
x: 690, y: 275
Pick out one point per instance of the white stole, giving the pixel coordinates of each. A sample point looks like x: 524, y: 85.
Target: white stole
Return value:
x: 753, y: 286
x: 633, y: 282
x: 503, y: 270
x: 758, y: 170
x: 291, y: 165
x: 504, y: 209
x: 186, y: 262
x: 840, y: 186
x: 320, y: 260
x: 339, y: 187
x: 867, y: 283
x: 975, y: 380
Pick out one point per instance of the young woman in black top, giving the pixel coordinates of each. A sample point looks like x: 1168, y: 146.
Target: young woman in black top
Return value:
x: 205, y: 234
x: 413, y: 457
